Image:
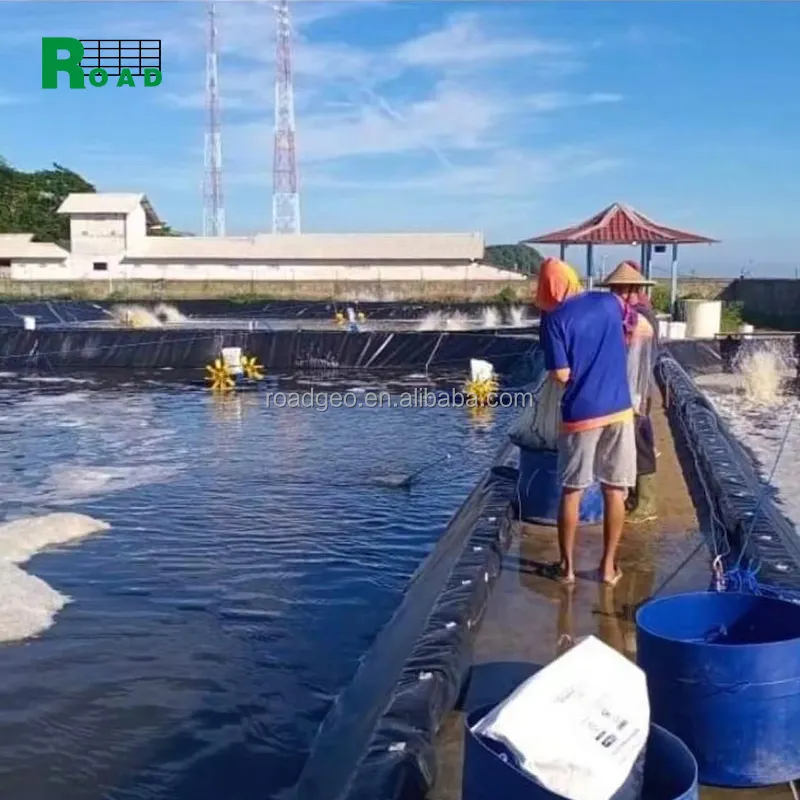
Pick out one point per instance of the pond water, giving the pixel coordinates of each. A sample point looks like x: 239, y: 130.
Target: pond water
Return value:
x: 252, y: 557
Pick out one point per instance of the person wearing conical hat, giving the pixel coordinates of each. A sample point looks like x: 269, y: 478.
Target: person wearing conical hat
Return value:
x: 628, y: 283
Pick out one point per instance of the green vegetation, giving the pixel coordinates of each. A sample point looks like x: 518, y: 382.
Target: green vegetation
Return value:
x: 518, y: 257
x: 29, y: 200
x: 732, y: 317
x: 659, y: 297
x: 507, y: 296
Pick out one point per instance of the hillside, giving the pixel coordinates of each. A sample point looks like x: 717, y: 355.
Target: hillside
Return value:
x: 29, y: 201
x: 518, y: 257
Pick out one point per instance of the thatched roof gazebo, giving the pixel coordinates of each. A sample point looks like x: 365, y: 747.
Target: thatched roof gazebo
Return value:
x: 622, y: 225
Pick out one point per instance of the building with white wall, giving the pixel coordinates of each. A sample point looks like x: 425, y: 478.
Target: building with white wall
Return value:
x: 109, y: 241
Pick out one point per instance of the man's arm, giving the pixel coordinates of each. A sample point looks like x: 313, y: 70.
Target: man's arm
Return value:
x: 555, y: 351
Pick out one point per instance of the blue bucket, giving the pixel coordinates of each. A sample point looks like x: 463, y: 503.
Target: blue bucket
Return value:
x: 670, y: 771
x: 539, y: 490
x: 723, y: 674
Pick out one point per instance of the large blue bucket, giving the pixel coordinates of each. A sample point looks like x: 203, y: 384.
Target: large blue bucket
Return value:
x: 670, y: 771
x: 723, y: 674
x: 539, y: 490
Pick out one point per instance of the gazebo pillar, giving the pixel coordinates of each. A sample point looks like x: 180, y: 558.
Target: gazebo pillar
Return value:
x: 590, y: 266
x: 673, y: 281
x: 562, y: 251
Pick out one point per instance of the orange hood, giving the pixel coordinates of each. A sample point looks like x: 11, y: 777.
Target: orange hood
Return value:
x: 557, y: 282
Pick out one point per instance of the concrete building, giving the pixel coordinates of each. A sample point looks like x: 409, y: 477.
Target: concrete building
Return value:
x: 109, y: 241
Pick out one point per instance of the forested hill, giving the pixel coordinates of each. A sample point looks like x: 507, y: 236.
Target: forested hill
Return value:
x: 29, y: 201
x: 518, y: 257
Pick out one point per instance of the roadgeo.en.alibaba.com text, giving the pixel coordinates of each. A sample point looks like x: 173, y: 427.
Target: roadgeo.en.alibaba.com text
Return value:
x: 417, y: 398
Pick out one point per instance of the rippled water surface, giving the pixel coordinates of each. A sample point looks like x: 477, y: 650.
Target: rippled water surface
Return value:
x: 252, y: 559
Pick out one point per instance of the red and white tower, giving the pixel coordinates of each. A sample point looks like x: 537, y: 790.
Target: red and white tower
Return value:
x: 285, y: 194
x: 213, y: 211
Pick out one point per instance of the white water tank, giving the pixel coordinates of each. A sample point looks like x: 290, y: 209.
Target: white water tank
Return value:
x: 29, y: 323
x: 677, y: 330
x: 703, y: 318
x: 746, y: 330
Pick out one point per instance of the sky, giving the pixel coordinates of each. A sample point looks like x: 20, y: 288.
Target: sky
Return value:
x: 508, y: 117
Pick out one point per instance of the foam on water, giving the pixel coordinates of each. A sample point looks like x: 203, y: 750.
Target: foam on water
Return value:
x: 28, y: 605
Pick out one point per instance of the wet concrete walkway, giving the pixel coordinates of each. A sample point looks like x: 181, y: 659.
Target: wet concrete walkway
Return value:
x: 532, y: 619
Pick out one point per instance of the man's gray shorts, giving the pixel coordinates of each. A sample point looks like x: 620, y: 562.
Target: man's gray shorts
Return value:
x: 606, y: 454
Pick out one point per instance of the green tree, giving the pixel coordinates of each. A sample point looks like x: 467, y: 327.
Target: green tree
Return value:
x: 29, y: 201
x: 518, y: 257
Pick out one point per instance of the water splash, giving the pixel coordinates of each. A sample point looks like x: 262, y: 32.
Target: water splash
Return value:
x: 490, y: 318
x: 138, y: 316
x: 168, y: 314
x: 518, y: 316
x: 762, y: 372
x: 457, y: 322
x: 433, y: 321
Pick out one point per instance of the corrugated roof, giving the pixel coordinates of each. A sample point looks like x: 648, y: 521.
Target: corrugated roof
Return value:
x: 19, y: 246
x: 619, y: 224
x: 316, y: 247
x: 108, y: 203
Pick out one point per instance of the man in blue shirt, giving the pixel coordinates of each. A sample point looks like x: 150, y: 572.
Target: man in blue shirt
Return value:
x: 584, y: 349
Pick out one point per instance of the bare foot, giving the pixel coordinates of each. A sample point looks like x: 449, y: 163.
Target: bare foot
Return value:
x: 611, y: 578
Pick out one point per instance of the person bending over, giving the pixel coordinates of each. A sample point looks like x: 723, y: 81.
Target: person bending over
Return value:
x: 584, y: 349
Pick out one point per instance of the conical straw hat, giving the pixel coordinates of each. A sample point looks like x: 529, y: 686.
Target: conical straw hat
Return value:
x: 626, y: 275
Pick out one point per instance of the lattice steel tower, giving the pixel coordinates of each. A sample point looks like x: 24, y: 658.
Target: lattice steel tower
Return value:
x: 213, y: 211
x: 285, y: 195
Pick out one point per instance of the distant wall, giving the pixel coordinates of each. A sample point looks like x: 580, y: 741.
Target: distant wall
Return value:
x: 444, y: 291
x: 767, y: 302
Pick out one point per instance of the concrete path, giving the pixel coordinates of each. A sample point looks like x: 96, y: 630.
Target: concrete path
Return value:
x: 533, y: 619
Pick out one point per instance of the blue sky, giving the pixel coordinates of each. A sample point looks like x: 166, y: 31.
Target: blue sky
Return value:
x: 508, y: 117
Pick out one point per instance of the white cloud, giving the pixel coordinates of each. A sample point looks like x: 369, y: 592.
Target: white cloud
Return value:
x: 459, y: 124
x: 465, y: 40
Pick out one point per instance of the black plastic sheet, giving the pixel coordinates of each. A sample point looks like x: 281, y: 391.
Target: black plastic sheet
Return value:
x: 733, y: 489
x: 57, y: 311
x: 378, y: 741
x: 87, y: 348
x: 51, y: 313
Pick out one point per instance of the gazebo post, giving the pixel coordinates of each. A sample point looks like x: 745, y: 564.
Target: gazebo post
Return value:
x: 590, y: 266
x: 673, y: 281
x: 562, y: 251
x: 643, y: 259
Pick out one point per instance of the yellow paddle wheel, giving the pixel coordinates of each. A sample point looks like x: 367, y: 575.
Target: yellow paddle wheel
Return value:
x: 252, y: 369
x: 219, y: 376
x: 480, y: 392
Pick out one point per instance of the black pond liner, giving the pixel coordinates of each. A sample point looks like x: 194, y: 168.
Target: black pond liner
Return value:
x: 61, y: 311
x: 734, y: 488
x: 92, y: 348
x: 378, y: 741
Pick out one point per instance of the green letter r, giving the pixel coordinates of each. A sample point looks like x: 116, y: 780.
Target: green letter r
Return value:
x: 52, y: 64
